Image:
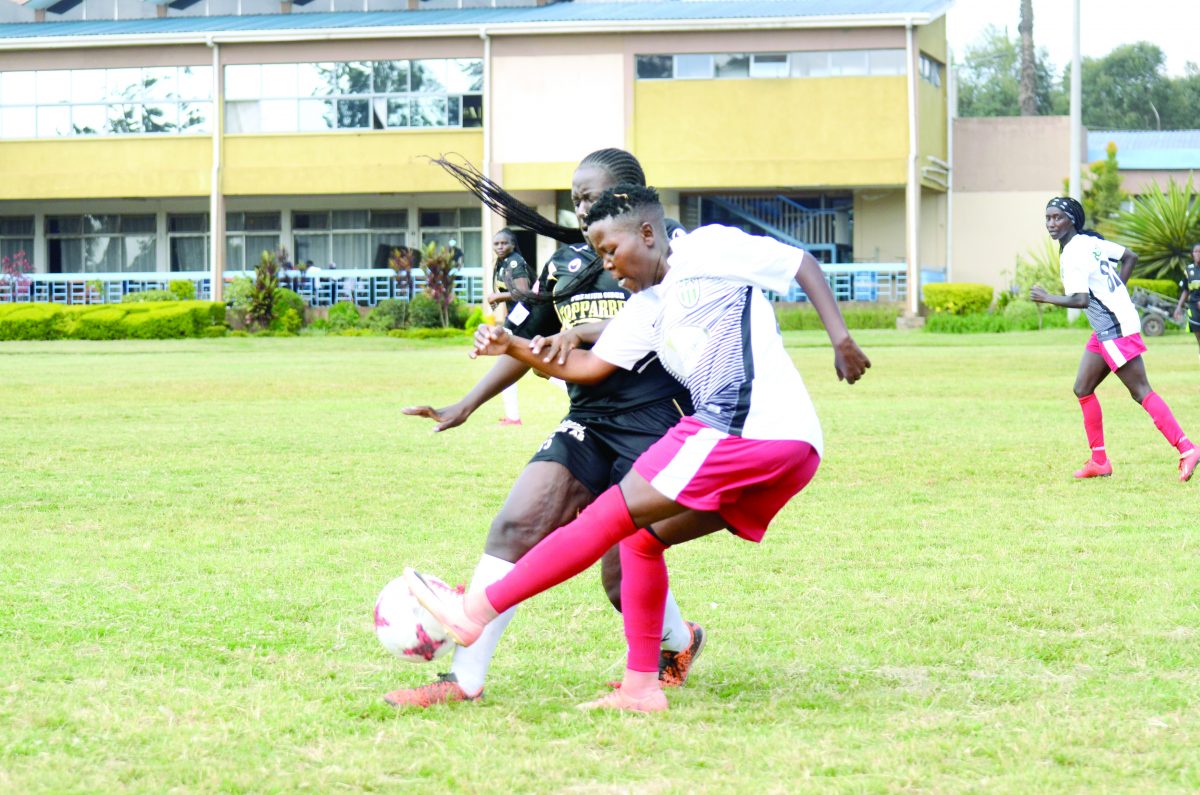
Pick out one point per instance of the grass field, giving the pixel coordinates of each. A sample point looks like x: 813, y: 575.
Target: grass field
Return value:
x: 193, y: 534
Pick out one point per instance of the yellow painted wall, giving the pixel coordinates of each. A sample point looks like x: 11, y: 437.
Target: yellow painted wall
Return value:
x: 931, y: 38
x: 147, y: 167
x: 374, y: 162
x: 844, y: 131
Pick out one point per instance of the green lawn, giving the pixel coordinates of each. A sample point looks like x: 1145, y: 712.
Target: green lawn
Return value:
x: 193, y: 534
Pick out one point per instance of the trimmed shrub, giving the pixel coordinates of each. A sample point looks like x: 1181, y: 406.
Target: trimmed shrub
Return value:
x: 388, y: 314
x: 866, y: 316
x: 150, y: 295
x: 424, y: 312
x: 215, y: 331
x: 183, y: 289
x: 957, y: 298
x: 459, y: 312
x: 238, y: 292
x: 166, y: 323
x: 32, y: 322
x: 342, y: 316
x: 1019, y: 315
x: 428, y: 333
x: 286, y: 299
x: 287, y: 323
x: 1164, y: 286
x: 474, y: 320
x: 105, y: 323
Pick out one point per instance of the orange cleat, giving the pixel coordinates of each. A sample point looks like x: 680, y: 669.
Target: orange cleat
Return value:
x: 449, y: 608
x: 673, y: 666
x: 1093, y: 470
x: 446, y: 690
x: 617, y: 700
x: 1187, y: 464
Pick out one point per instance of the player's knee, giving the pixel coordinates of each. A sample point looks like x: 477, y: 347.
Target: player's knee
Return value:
x: 510, y: 537
x: 1082, y: 390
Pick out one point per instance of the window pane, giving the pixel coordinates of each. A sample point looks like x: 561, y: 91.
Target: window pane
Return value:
x: 470, y: 216
x: 390, y: 77
x: 732, y: 65
x: 313, y: 249
x: 256, y: 245
x: 100, y: 224
x: 810, y: 64
x: 885, y: 62
x: 72, y: 254
x: 464, y: 75
x: 53, y: 121
x: 848, y: 63
x: 160, y: 117
x: 159, y: 82
x: 429, y: 75
x: 140, y: 253
x: 454, y: 111
x: 354, y: 113
x: 653, y: 67
x: 102, y: 254
x: 189, y: 253
x: 53, y: 86
x: 137, y: 223
x: 192, y: 222
x: 16, y: 226
x: 310, y: 220
x: 316, y: 79
x: 18, y: 88
x: 62, y: 224
x: 382, y: 245
x: 87, y: 85
x: 773, y: 65
x: 195, y: 82
x: 352, y: 251
x: 235, y: 252
x: 277, y: 115
x: 195, y: 117
x: 261, y: 222
x: 472, y: 111
x: 316, y: 115
x: 242, y: 117
x: 279, y: 80
x: 429, y: 112
x: 124, y: 119
x: 89, y: 119
x: 380, y: 219
x: 353, y: 77
x: 397, y: 113
x: 693, y: 66
x: 243, y: 81
x: 472, y: 246
x: 18, y: 122
x: 123, y: 84
x: 349, y: 219
x: 439, y: 218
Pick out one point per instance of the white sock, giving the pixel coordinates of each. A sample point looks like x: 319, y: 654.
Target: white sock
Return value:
x: 511, y: 409
x: 471, y: 663
x: 676, y: 635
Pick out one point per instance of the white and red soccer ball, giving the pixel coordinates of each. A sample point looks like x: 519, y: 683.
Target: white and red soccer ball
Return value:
x: 405, y: 628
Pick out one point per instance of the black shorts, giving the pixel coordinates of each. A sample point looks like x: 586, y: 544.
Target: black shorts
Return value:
x: 1193, y: 317
x: 599, y: 450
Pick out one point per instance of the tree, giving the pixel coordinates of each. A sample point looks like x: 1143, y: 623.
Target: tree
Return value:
x: 1102, y: 193
x: 1183, y: 107
x: 440, y: 270
x: 1028, y: 90
x: 989, y: 77
x: 1161, y: 229
x: 1126, y: 89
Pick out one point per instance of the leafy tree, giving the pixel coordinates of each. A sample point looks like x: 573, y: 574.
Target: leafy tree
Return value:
x: 1027, y: 96
x: 1125, y: 90
x: 439, y: 267
x: 1183, y: 107
x: 262, y: 297
x: 1161, y: 229
x: 989, y: 77
x: 1102, y: 193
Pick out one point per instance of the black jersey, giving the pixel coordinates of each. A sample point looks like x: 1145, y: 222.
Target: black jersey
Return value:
x: 511, y: 268
x: 586, y: 293
x: 1191, y: 283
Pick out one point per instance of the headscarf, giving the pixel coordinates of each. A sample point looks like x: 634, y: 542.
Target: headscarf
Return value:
x: 1072, y: 208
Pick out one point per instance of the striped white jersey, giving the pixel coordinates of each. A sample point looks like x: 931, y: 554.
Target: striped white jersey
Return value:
x: 716, y: 332
x: 1093, y: 266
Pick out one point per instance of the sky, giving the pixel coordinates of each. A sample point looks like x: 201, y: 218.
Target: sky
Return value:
x: 1174, y: 25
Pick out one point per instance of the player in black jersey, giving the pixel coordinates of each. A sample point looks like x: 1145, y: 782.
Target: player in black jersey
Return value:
x: 607, y: 427
x: 1189, y: 292
x: 511, y: 274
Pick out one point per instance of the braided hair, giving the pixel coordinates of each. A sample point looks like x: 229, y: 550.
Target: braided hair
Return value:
x: 621, y: 200
x: 622, y: 166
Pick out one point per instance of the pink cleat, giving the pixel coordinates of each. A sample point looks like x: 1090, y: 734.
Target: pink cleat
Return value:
x: 449, y: 608
x: 1187, y: 464
x: 446, y: 690
x: 617, y: 700
x: 1093, y: 470
x: 510, y: 421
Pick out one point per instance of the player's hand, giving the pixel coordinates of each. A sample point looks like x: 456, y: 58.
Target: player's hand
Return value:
x: 849, y: 361
x: 556, y: 346
x: 1038, y: 293
x: 449, y: 417
x: 1178, y: 315
x: 491, y: 341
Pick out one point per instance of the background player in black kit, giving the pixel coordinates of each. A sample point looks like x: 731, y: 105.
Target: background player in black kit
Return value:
x: 511, y: 274
x: 607, y: 427
x: 1189, y: 292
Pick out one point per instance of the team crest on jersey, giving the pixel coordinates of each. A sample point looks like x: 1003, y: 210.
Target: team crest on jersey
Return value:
x: 574, y: 265
x: 688, y: 294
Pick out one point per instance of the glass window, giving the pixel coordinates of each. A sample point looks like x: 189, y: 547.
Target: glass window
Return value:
x: 160, y: 118
x: 53, y: 121
x: 18, y: 122
x: 310, y: 220
x: 195, y: 222
x: 472, y: 111
x: 885, y: 62
x: 53, y: 87
x: 89, y: 119
x: 931, y: 71
x: 353, y: 77
x: 195, y: 117
x: 242, y: 117
x: 769, y: 65
x: 732, y: 65
x: 848, y: 63
x: 354, y: 113
x: 316, y: 115
x: 350, y: 219
x: 429, y: 75
x: 277, y: 115
x: 22, y: 226
x: 160, y: 83
x: 87, y: 85
x: 429, y: 112
x: 101, y: 243
x: 16, y: 237
x: 123, y: 84
x: 464, y: 75
x: 18, y: 88
x: 243, y: 81
x: 188, y: 253
x: 195, y: 82
x: 316, y: 79
x: 688, y: 67
x: 391, y: 77
x: 653, y: 67
x: 279, y: 80
x: 810, y: 64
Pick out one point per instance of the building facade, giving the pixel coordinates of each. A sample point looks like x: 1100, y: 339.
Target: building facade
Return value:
x: 134, y: 139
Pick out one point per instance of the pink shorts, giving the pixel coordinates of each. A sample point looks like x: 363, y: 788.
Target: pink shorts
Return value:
x: 746, y: 481
x: 1119, y: 352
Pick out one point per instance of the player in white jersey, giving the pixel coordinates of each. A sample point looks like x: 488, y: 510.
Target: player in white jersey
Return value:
x: 1094, y: 272
x: 753, y: 443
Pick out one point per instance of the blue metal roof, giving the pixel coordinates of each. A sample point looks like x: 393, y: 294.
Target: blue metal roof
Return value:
x: 557, y: 13
x: 1148, y: 151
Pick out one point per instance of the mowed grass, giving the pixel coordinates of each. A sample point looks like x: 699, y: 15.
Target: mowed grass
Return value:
x: 192, y: 535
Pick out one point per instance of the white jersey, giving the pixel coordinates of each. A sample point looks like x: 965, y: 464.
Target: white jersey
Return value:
x: 1093, y: 266
x: 715, y: 331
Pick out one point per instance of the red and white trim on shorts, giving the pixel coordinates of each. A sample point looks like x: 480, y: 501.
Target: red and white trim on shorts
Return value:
x: 1117, y: 352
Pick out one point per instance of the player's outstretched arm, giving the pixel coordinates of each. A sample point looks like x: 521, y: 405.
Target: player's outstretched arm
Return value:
x: 506, y: 372
x: 557, y: 346
x: 1043, y: 296
x: 580, y: 367
x: 849, y: 361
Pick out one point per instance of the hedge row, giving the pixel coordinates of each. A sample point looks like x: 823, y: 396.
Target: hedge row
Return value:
x: 957, y: 298
x: 1164, y: 286
x: 1020, y: 315
x: 150, y: 320
x: 857, y: 317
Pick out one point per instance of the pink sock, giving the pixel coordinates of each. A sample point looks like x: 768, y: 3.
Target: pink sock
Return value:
x: 567, y: 551
x: 643, y: 597
x: 1093, y: 426
x: 1164, y: 420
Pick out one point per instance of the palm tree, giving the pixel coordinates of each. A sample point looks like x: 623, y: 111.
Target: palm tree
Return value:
x: 1161, y: 229
x: 1027, y: 96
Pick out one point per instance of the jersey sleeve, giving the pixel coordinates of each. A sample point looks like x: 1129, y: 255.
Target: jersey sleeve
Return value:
x: 1073, y: 266
x: 626, y: 340
x: 728, y: 253
x: 531, y: 318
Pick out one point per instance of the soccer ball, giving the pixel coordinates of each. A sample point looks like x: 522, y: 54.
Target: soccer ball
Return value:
x: 405, y: 628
